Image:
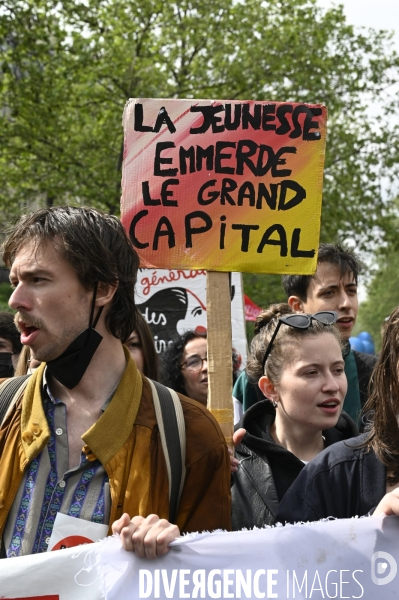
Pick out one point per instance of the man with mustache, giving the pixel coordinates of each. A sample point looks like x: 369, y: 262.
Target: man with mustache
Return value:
x: 332, y: 287
x: 83, y: 439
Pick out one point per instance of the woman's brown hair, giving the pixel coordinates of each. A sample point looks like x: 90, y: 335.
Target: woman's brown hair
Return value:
x: 265, y: 325
x: 150, y: 356
x: 97, y: 247
x: 382, y: 407
x: 23, y: 362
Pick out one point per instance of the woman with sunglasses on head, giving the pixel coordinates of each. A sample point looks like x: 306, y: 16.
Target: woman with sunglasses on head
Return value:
x: 364, y: 472
x: 297, y: 361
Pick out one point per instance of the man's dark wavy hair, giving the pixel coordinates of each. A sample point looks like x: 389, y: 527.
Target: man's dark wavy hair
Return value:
x: 346, y: 261
x: 96, y: 246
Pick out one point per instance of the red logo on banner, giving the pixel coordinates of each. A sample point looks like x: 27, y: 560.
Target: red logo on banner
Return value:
x: 71, y: 541
x: 52, y: 597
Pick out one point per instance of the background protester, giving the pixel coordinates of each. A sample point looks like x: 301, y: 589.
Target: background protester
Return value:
x: 332, y: 287
x: 363, y: 470
x: 185, y: 365
x: 297, y: 361
x: 185, y: 370
x: 142, y: 349
x: 10, y: 344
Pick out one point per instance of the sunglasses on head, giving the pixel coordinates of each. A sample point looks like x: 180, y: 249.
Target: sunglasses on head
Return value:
x: 300, y: 321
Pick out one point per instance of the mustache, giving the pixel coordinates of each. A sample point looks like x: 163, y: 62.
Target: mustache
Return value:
x: 27, y: 320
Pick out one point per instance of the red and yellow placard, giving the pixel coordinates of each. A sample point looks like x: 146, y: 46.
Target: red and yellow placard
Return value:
x: 224, y: 185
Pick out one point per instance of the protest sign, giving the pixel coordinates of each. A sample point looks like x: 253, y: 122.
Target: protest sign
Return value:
x: 348, y: 558
x: 251, y: 309
x: 174, y: 301
x: 69, y: 532
x: 223, y: 185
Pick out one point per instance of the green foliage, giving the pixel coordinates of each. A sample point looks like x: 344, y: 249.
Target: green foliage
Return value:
x: 5, y: 293
x: 382, y: 296
x: 263, y: 290
x: 68, y: 69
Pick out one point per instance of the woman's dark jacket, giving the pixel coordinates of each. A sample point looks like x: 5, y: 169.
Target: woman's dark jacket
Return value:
x: 344, y: 481
x: 267, y: 469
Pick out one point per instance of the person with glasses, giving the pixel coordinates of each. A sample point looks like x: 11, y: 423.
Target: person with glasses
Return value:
x: 363, y: 472
x: 185, y: 366
x: 297, y: 361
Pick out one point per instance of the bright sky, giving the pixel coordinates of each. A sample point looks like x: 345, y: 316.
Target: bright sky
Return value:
x: 378, y: 14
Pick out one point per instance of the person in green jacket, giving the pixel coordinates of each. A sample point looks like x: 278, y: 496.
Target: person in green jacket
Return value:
x: 332, y: 287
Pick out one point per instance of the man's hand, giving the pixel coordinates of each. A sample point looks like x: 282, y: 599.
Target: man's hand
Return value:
x: 148, y: 537
x: 389, y: 505
x: 237, y: 438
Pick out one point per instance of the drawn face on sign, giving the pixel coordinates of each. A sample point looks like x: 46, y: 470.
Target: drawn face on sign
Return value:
x: 163, y: 311
x: 195, y: 317
x: 174, y: 310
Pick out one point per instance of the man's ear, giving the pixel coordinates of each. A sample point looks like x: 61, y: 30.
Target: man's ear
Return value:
x: 296, y: 304
x: 268, y: 388
x: 105, y: 293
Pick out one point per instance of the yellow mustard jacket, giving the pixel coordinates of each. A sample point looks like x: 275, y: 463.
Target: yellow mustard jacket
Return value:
x: 127, y: 442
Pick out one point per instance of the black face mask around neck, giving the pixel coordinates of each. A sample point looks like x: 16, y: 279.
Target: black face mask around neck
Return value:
x: 6, y: 367
x: 70, y: 367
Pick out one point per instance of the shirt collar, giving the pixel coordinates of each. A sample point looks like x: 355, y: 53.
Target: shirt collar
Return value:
x: 54, y: 400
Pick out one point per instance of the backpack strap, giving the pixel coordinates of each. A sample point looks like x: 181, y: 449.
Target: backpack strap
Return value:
x: 172, y: 430
x: 10, y: 390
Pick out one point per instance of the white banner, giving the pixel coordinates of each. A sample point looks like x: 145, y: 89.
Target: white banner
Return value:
x: 175, y: 301
x: 354, y: 558
x: 69, y: 574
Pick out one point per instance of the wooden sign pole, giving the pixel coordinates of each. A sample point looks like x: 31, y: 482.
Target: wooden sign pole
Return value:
x: 220, y: 379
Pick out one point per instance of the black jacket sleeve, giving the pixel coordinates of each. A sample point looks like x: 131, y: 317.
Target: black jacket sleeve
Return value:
x: 253, y: 495
x: 342, y: 482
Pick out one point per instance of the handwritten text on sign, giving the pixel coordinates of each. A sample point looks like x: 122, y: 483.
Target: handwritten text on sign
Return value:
x: 224, y: 185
